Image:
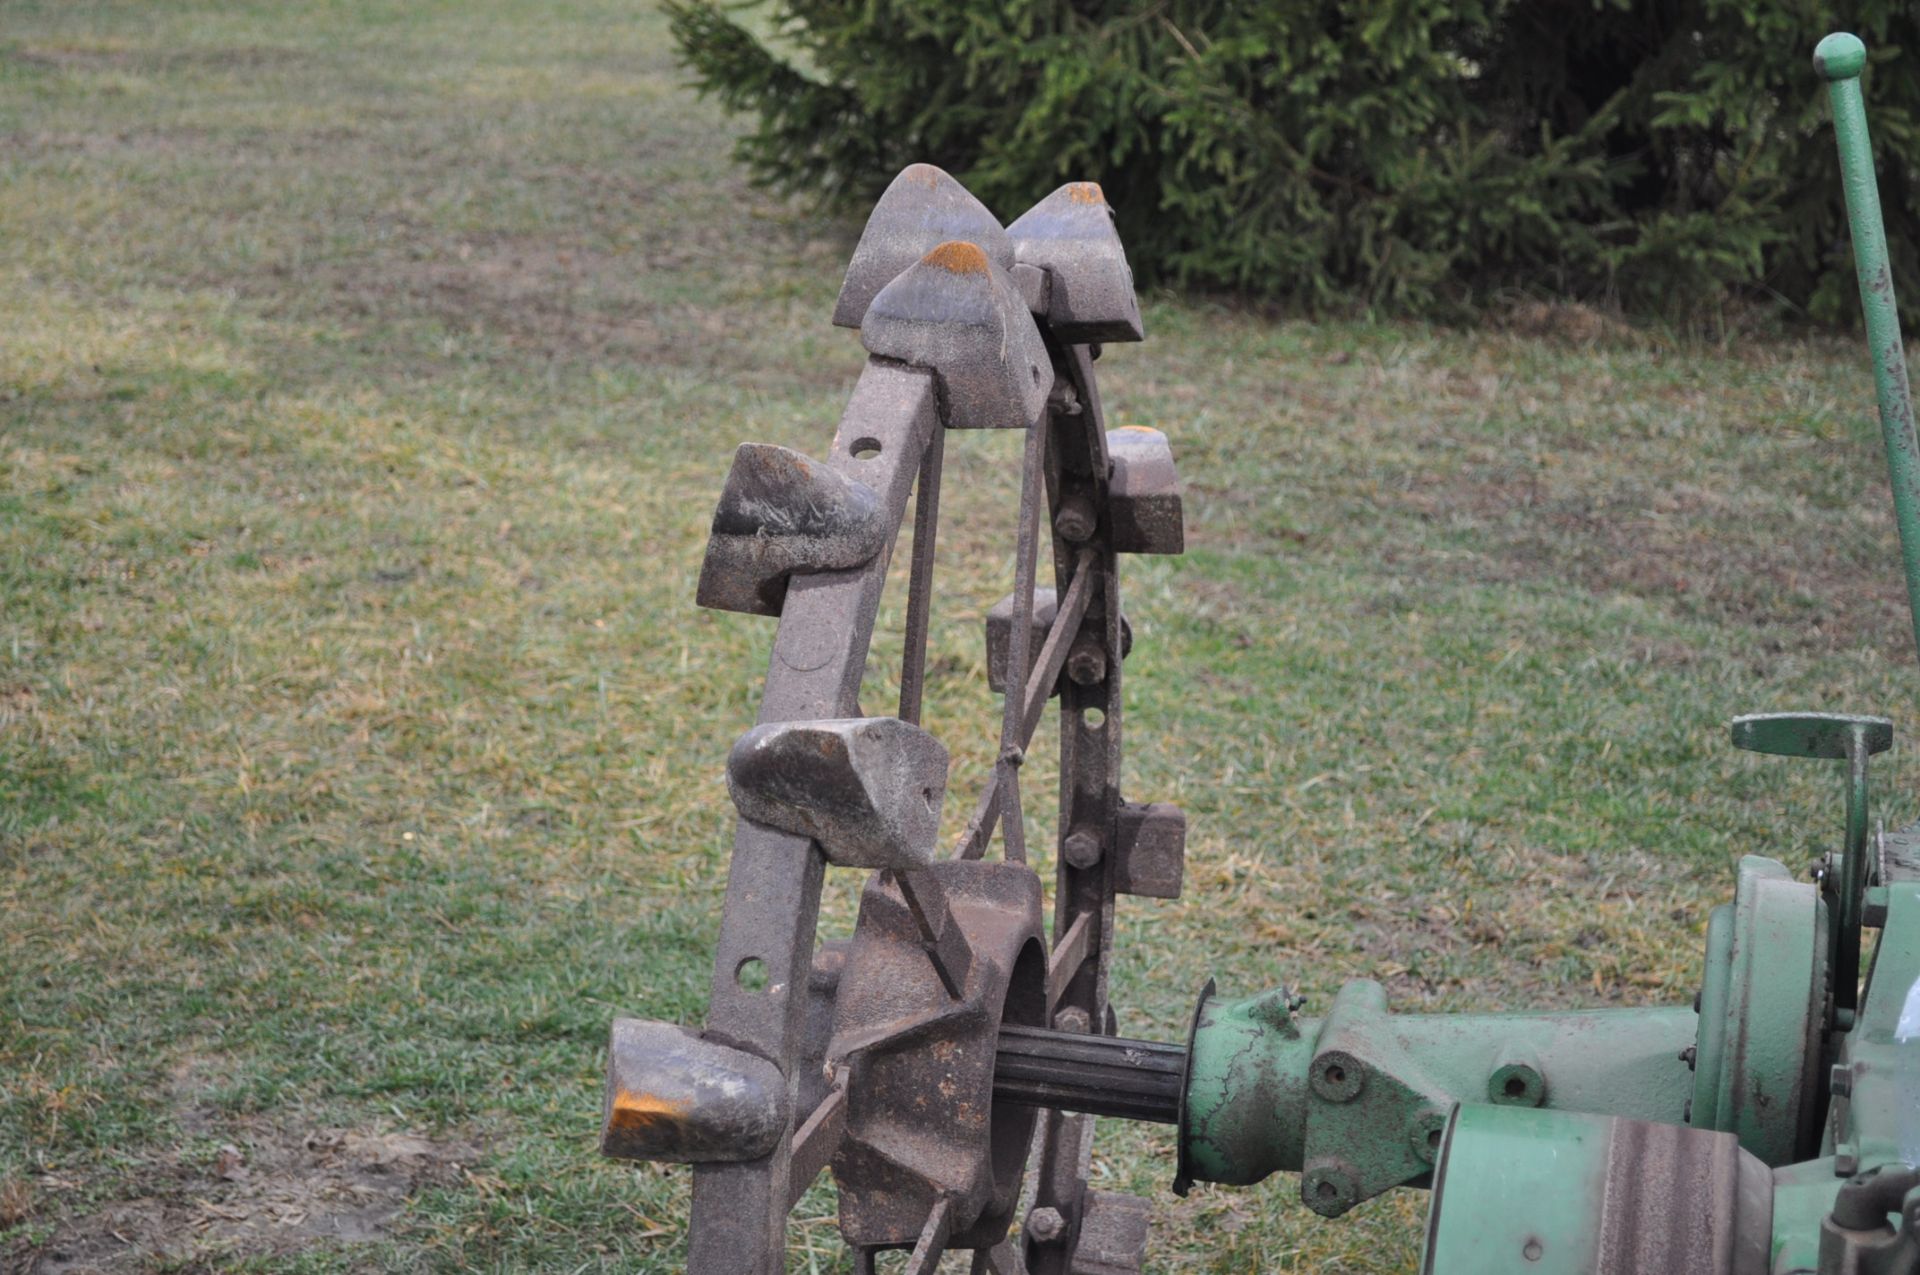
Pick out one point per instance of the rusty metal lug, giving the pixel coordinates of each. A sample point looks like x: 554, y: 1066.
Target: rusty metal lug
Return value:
x: 782, y: 513
x: 1070, y: 234
x: 1150, y: 850
x: 673, y: 1096
x: 1046, y: 606
x: 958, y: 312
x: 867, y: 790
x: 1146, y: 506
x: 1113, y: 1235
x: 922, y: 208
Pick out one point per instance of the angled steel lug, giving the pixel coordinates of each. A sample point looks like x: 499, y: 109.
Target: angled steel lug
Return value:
x: 1000, y: 633
x: 676, y: 1097
x: 1145, y: 489
x: 922, y: 209
x: 958, y: 312
x: 1070, y: 234
x: 783, y: 513
x: 867, y: 789
x: 1150, y: 850
x: 1046, y: 605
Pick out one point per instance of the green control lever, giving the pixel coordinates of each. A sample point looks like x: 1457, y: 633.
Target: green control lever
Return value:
x: 1832, y: 735
x: 1840, y: 58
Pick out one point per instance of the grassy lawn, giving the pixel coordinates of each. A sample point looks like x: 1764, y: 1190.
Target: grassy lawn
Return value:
x: 367, y: 372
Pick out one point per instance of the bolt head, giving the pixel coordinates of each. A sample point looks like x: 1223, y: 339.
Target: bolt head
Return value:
x: 1075, y: 521
x: 1046, y: 1225
x: 1082, y: 848
x: 1087, y: 665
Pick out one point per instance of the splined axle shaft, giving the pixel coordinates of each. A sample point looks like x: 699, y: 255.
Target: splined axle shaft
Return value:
x: 1099, y: 1075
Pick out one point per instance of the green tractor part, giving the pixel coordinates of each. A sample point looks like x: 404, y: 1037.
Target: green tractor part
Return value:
x: 948, y: 1061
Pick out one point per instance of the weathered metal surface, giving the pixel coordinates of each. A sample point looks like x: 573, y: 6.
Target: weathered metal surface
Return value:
x: 1089, y: 295
x: 1098, y: 1075
x: 1113, y: 1235
x: 1829, y: 735
x: 1762, y: 1009
x: 1848, y: 874
x: 1075, y: 644
x: 674, y: 1097
x: 1529, y: 1192
x: 1150, y: 850
x: 763, y: 959
x: 1840, y: 58
x: 868, y: 790
x: 1355, y: 1101
x: 921, y: 209
x: 1000, y: 633
x: 782, y: 512
x: 925, y: 1127
x: 957, y: 312
x: 1146, y: 507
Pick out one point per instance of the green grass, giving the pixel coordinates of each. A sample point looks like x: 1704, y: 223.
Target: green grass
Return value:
x: 367, y: 371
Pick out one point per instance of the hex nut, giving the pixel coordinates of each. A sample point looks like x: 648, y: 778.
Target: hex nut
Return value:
x: 1045, y: 1225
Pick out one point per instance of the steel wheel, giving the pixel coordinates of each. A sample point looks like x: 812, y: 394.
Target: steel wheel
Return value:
x: 881, y: 1054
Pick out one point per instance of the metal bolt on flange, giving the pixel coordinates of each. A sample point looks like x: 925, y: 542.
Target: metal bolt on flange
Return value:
x: 1329, y: 1188
x: 1516, y: 1084
x: 1424, y: 1132
x: 1338, y: 1076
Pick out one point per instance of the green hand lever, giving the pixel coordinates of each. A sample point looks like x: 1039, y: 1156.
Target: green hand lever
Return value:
x: 1833, y: 735
x: 1840, y: 58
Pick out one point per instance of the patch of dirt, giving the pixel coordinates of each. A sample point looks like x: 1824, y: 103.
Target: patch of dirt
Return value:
x: 266, y: 1190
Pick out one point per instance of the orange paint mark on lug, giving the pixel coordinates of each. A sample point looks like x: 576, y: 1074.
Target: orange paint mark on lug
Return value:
x: 635, y: 1112
x: 1086, y: 193
x: 957, y: 256
x: 926, y: 174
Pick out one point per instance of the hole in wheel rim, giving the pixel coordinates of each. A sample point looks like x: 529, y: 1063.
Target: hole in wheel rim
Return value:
x: 751, y: 974
x: 866, y: 449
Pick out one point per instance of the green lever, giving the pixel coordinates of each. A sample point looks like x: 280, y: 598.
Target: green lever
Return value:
x: 1840, y: 58
x: 1831, y: 735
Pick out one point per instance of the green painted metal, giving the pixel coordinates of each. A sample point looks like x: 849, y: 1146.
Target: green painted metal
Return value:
x: 1840, y: 58
x: 1355, y: 1102
x: 1877, y: 1120
x: 1555, y: 1162
x: 1762, y: 1009
x: 1832, y: 735
x: 1540, y: 1192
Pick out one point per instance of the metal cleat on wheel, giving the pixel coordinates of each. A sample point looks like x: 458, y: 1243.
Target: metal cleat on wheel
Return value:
x: 1150, y: 850
x: 957, y: 311
x: 675, y: 1097
x: 1147, y: 514
x: 1046, y: 605
x: 867, y: 789
x: 1089, y: 286
x: 922, y: 209
x: 782, y: 513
